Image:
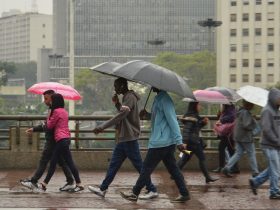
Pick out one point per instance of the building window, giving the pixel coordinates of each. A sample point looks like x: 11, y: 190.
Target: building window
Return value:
x: 233, y: 3
x: 270, y: 2
x: 233, y: 48
x: 245, y: 32
x: 245, y: 77
x: 270, y: 78
x: 232, y: 17
x: 270, y: 32
x: 270, y: 16
x: 245, y: 62
x: 245, y: 2
x: 258, y: 16
x: 258, y: 2
x: 258, y: 78
x: 232, y: 32
x: 258, y: 31
x: 232, y: 78
x: 245, y: 48
x: 258, y: 63
x: 258, y: 47
x: 43, y: 36
x: 245, y: 17
x: 270, y: 62
x: 43, y: 25
x: 270, y: 47
x: 232, y: 63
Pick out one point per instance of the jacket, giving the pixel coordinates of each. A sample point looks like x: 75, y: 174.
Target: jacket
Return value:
x: 165, y: 130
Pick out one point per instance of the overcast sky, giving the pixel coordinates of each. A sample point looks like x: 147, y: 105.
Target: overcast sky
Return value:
x: 44, y: 6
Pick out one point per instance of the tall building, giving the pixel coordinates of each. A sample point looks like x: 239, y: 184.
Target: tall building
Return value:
x: 22, y: 34
x: 122, y: 30
x: 248, y: 43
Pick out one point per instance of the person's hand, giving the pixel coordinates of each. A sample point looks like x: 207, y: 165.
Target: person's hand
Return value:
x: 115, y: 99
x: 181, y: 147
x: 143, y: 114
x: 124, y: 108
x: 29, y: 131
x: 218, y: 122
x: 205, y: 120
x: 97, y: 130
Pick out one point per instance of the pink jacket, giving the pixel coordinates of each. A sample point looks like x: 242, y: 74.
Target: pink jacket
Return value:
x: 59, y: 122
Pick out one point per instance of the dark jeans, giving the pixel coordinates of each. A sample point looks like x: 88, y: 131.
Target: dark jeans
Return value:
x: 62, y: 149
x: 196, y: 149
x: 225, y: 142
x: 123, y: 150
x: 44, y: 160
x: 153, y: 157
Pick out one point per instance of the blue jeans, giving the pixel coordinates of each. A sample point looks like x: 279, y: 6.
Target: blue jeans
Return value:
x: 271, y: 172
x: 123, y: 150
x: 153, y: 157
x: 241, y: 148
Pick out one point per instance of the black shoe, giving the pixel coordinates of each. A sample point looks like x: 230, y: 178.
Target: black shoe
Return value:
x: 253, y: 187
x: 255, y: 174
x: 226, y: 172
x: 129, y: 196
x: 211, y: 179
x: 217, y: 170
x: 275, y: 196
x: 181, y: 199
x: 235, y: 171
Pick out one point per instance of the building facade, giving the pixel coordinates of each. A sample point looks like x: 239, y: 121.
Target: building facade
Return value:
x: 248, y: 43
x: 122, y: 30
x: 22, y: 34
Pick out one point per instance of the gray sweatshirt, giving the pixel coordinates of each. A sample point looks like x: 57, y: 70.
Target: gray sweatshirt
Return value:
x: 270, y: 121
x: 127, y: 121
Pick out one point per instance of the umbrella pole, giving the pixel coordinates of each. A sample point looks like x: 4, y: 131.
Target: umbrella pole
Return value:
x: 147, y: 98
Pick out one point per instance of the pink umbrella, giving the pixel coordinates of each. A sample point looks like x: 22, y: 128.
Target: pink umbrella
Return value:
x: 208, y: 96
x: 65, y: 90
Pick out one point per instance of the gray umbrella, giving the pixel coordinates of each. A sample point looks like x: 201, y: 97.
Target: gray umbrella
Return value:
x: 154, y: 75
x: 105, y: 68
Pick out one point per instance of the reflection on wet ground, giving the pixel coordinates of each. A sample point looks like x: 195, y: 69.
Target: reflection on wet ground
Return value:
x: 226, y: 193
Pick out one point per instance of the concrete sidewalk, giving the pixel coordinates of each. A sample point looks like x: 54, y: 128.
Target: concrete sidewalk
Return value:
x: 226, y: 193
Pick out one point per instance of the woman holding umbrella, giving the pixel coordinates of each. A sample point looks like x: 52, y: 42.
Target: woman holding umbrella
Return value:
x: 192, y: 126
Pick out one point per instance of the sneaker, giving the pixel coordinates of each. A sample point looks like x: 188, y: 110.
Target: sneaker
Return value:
x: 76, y: 189
x: 217, y: 170
x: 181, y: 199
x: 255, y: 174
x: 40, y: 188
x: 27, y: 183
x: 67, y: 187
x: 253, y: 187
x: 148, y: 195
x: 130, y: 196
x: 275, y: 196
x: 97, y: 191
x: 226, y: 172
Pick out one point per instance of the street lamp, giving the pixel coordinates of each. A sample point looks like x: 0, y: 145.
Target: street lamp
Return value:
x: 209, y: 23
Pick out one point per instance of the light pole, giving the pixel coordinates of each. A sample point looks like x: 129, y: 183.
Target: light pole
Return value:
x: 209, y: 23
x: 71, y: 55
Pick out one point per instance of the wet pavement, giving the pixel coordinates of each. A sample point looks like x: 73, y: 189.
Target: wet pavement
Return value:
x: 226, y: 193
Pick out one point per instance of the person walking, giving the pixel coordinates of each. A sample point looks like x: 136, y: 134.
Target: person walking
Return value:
x: 32, y: 182
x: 243, y: 136
x: 192, y: 126
x: 127, y: 124
x: 270, y: 144
x: 58, y: 121
x: 165, y: 136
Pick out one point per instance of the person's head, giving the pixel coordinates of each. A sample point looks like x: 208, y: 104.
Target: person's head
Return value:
x: 156, y: 90
x: 247, y: 105
x: 121, y: 85
x: 47, y: 97
x: 194, y: 107
x: 57, y: 101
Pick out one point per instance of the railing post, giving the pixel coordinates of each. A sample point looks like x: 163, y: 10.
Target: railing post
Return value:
x: 18, y: 133
x: 77, y: 128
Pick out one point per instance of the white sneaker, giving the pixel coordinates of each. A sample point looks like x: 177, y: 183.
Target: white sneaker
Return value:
x: 148, y: 195
x: 67, y: 187
x: 28, y: 184
x: 97, y: 191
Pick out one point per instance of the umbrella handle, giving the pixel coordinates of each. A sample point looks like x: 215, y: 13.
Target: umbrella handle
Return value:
x: 147, y: 98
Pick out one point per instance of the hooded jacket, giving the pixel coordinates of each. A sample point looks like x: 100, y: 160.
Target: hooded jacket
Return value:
x: 127, y: 121
x: 244, y: 126
x: 270, y: 121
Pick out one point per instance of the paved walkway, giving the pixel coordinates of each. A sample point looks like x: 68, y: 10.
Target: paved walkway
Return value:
x: 226, y: 193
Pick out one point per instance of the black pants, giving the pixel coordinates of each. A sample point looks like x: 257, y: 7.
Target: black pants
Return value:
x: 225, y: 142
x: 44, y: 160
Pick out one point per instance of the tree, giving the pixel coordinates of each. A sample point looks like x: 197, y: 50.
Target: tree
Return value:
x: 6, y: 68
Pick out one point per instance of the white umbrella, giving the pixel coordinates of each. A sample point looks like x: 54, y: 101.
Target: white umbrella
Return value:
x: 255, y: 95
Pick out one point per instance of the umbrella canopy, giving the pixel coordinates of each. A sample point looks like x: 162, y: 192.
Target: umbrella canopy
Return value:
x: 229, y: 93
x: 208, y: 96
x: 156, y: 76
x: 65, y: 90
x: 106, y: 68
x: 255, y: 95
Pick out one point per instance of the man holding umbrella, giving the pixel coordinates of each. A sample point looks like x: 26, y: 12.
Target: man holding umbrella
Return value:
x: 127, y: 124
x: 165, y: 136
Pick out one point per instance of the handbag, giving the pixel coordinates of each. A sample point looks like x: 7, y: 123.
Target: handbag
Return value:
x: 225, y: 129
